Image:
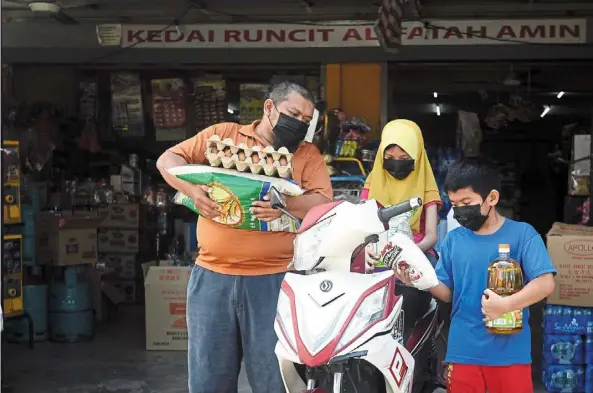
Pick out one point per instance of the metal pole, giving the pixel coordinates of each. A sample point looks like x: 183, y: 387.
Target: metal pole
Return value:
x: 591, y: 171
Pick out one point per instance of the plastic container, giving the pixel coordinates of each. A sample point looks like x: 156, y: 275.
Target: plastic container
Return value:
x: 564, y: 349
x: 563, y: 379
x: 35, y: 304
x: 70, y: 307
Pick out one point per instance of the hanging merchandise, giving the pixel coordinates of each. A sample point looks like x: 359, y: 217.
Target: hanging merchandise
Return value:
x: 88, y: 99
x: 352, y: 136
x: 127, y: 114
x: 87, y: 108
x: 469, y: 133
x: 252, y: 97
x: 210, y: 101
x: 578, y: 176
x: 169, y: 109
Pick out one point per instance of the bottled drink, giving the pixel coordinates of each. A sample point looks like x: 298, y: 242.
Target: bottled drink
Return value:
x: 505, y: 278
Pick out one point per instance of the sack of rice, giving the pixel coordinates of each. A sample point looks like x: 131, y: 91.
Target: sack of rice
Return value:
x: 234, y: 192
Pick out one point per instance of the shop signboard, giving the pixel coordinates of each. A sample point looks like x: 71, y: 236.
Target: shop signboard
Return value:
x: 350, y: 34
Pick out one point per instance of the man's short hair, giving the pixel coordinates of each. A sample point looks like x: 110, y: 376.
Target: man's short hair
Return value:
x: 478, y: 174
x: 280, y: 92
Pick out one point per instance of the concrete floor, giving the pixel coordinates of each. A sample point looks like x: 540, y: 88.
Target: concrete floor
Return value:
x: 116, y: 362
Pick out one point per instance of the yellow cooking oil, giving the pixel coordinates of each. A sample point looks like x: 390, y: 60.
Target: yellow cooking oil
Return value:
x: 505, y: 278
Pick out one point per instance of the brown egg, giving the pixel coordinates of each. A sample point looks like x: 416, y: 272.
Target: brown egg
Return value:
x: 255, y: 158
x: 283, y: 161
x: 241, y: 155
x: 227, y: 152
x: 269, y: 160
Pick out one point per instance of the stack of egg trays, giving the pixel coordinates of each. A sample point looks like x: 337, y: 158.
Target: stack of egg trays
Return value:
x: 249, y: 159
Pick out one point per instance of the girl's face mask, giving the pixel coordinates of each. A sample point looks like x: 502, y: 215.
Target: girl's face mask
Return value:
x: 399, y: 169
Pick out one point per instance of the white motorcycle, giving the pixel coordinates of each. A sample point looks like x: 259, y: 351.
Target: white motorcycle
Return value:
x: 343, y: 332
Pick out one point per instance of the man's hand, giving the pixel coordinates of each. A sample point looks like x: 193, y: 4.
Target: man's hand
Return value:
x: 370, y: 258
x: 494, y: 306
x: 262, y: 210
x: 207, y: 207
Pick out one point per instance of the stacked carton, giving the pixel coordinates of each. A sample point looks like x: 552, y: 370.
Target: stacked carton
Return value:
x: 118, y: 245
x: 568, y: 349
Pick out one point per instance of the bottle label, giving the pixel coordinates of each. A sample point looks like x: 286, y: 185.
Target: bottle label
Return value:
x: 510, y: 320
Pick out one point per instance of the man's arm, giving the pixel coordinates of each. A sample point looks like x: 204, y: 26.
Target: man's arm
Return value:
x: 315, y: 180
x: 190, y: 151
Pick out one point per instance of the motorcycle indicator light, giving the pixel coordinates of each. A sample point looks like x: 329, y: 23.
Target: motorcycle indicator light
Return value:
x: 370, y: 311
x: 307, y: 244
x: 284, y: 318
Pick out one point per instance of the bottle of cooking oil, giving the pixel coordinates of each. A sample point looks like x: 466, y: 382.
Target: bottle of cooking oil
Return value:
x: 505, y: 278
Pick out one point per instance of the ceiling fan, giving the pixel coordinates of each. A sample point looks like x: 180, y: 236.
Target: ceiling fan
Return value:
x: 55, y: 9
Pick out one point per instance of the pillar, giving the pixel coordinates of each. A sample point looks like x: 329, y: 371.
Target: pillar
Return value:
x: 360, y: 90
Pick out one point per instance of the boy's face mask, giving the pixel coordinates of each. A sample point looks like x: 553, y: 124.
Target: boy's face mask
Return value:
x: 471, y: 216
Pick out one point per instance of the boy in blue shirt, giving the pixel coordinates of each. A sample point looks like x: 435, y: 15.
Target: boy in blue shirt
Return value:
x: 480, y: 361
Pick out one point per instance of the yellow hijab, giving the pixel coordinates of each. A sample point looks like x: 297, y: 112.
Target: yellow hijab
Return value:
x: 420, y: 183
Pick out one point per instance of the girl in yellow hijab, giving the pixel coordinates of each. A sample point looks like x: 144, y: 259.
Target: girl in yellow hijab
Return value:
x: 402, y: 171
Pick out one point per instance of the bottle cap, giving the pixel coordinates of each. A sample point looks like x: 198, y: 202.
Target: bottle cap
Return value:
x: 504, y: 248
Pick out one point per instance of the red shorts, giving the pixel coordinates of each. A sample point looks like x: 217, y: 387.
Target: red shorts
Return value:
x: 467, y: 378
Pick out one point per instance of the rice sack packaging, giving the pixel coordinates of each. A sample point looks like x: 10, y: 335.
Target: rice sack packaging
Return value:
x: 234, y: 191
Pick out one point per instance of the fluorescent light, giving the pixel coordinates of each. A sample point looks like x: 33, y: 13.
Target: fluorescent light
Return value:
x: 545, y: 112
x: 435, y: 94
x: 229, y: 110
x: 560, y: 94
x: 438, y: 110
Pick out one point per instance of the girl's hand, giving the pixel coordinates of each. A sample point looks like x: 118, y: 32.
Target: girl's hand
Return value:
x: 370, y: 258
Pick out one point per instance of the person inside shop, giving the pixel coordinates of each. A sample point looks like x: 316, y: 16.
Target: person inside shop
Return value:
x: 480, y: 360
x: 233, y: 289
x: 402, y: 171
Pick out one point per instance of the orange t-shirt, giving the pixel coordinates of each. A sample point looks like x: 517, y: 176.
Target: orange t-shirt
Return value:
x: 228, y: 250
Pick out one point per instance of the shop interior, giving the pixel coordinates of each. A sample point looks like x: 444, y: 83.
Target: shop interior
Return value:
x: 521, y: 116
x: 88, y: 152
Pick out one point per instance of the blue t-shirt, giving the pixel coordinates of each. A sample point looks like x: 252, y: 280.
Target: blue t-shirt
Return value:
x: 463, y: 267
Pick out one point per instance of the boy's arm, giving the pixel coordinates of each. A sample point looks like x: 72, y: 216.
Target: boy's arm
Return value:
x: 442, y: 292
x: 444, y: 271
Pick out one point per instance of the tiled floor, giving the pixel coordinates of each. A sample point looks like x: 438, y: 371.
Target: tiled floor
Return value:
x: 114, y: 362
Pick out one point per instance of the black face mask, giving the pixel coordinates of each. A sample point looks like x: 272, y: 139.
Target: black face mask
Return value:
x: 399, y: 169
x: 470, y: 216
x: 289, y: 132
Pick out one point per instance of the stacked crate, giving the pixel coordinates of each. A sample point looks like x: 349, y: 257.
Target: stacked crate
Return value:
x: 118, y: 246
x: 568, y: 349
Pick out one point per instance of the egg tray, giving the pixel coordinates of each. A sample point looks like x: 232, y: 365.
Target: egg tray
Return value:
x: 257, y: 160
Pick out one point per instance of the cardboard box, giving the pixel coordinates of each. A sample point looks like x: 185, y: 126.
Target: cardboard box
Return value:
x: 571, y: 250
x: 121, y: 266
x: 104, y: 295
x: 118, y: 241
x: 125, y: 216
x: 128, y: 290
x: 65, y: 240
x: 165, y: 300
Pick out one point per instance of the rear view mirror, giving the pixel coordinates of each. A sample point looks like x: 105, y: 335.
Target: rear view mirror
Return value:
x: 276, y: 199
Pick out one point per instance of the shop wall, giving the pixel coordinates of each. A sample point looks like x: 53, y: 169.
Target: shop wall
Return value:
x: 51, y: 84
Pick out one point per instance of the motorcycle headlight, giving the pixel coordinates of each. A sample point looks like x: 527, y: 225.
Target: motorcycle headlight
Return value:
x: 370, y: 310
x: 284, y: 318
x: 306, y: 246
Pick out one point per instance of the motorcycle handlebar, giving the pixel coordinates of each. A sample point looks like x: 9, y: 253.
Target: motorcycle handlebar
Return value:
x: 387, y: 213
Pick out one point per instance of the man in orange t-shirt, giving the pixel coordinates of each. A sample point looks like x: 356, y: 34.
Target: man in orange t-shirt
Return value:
x: 234, y: 287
